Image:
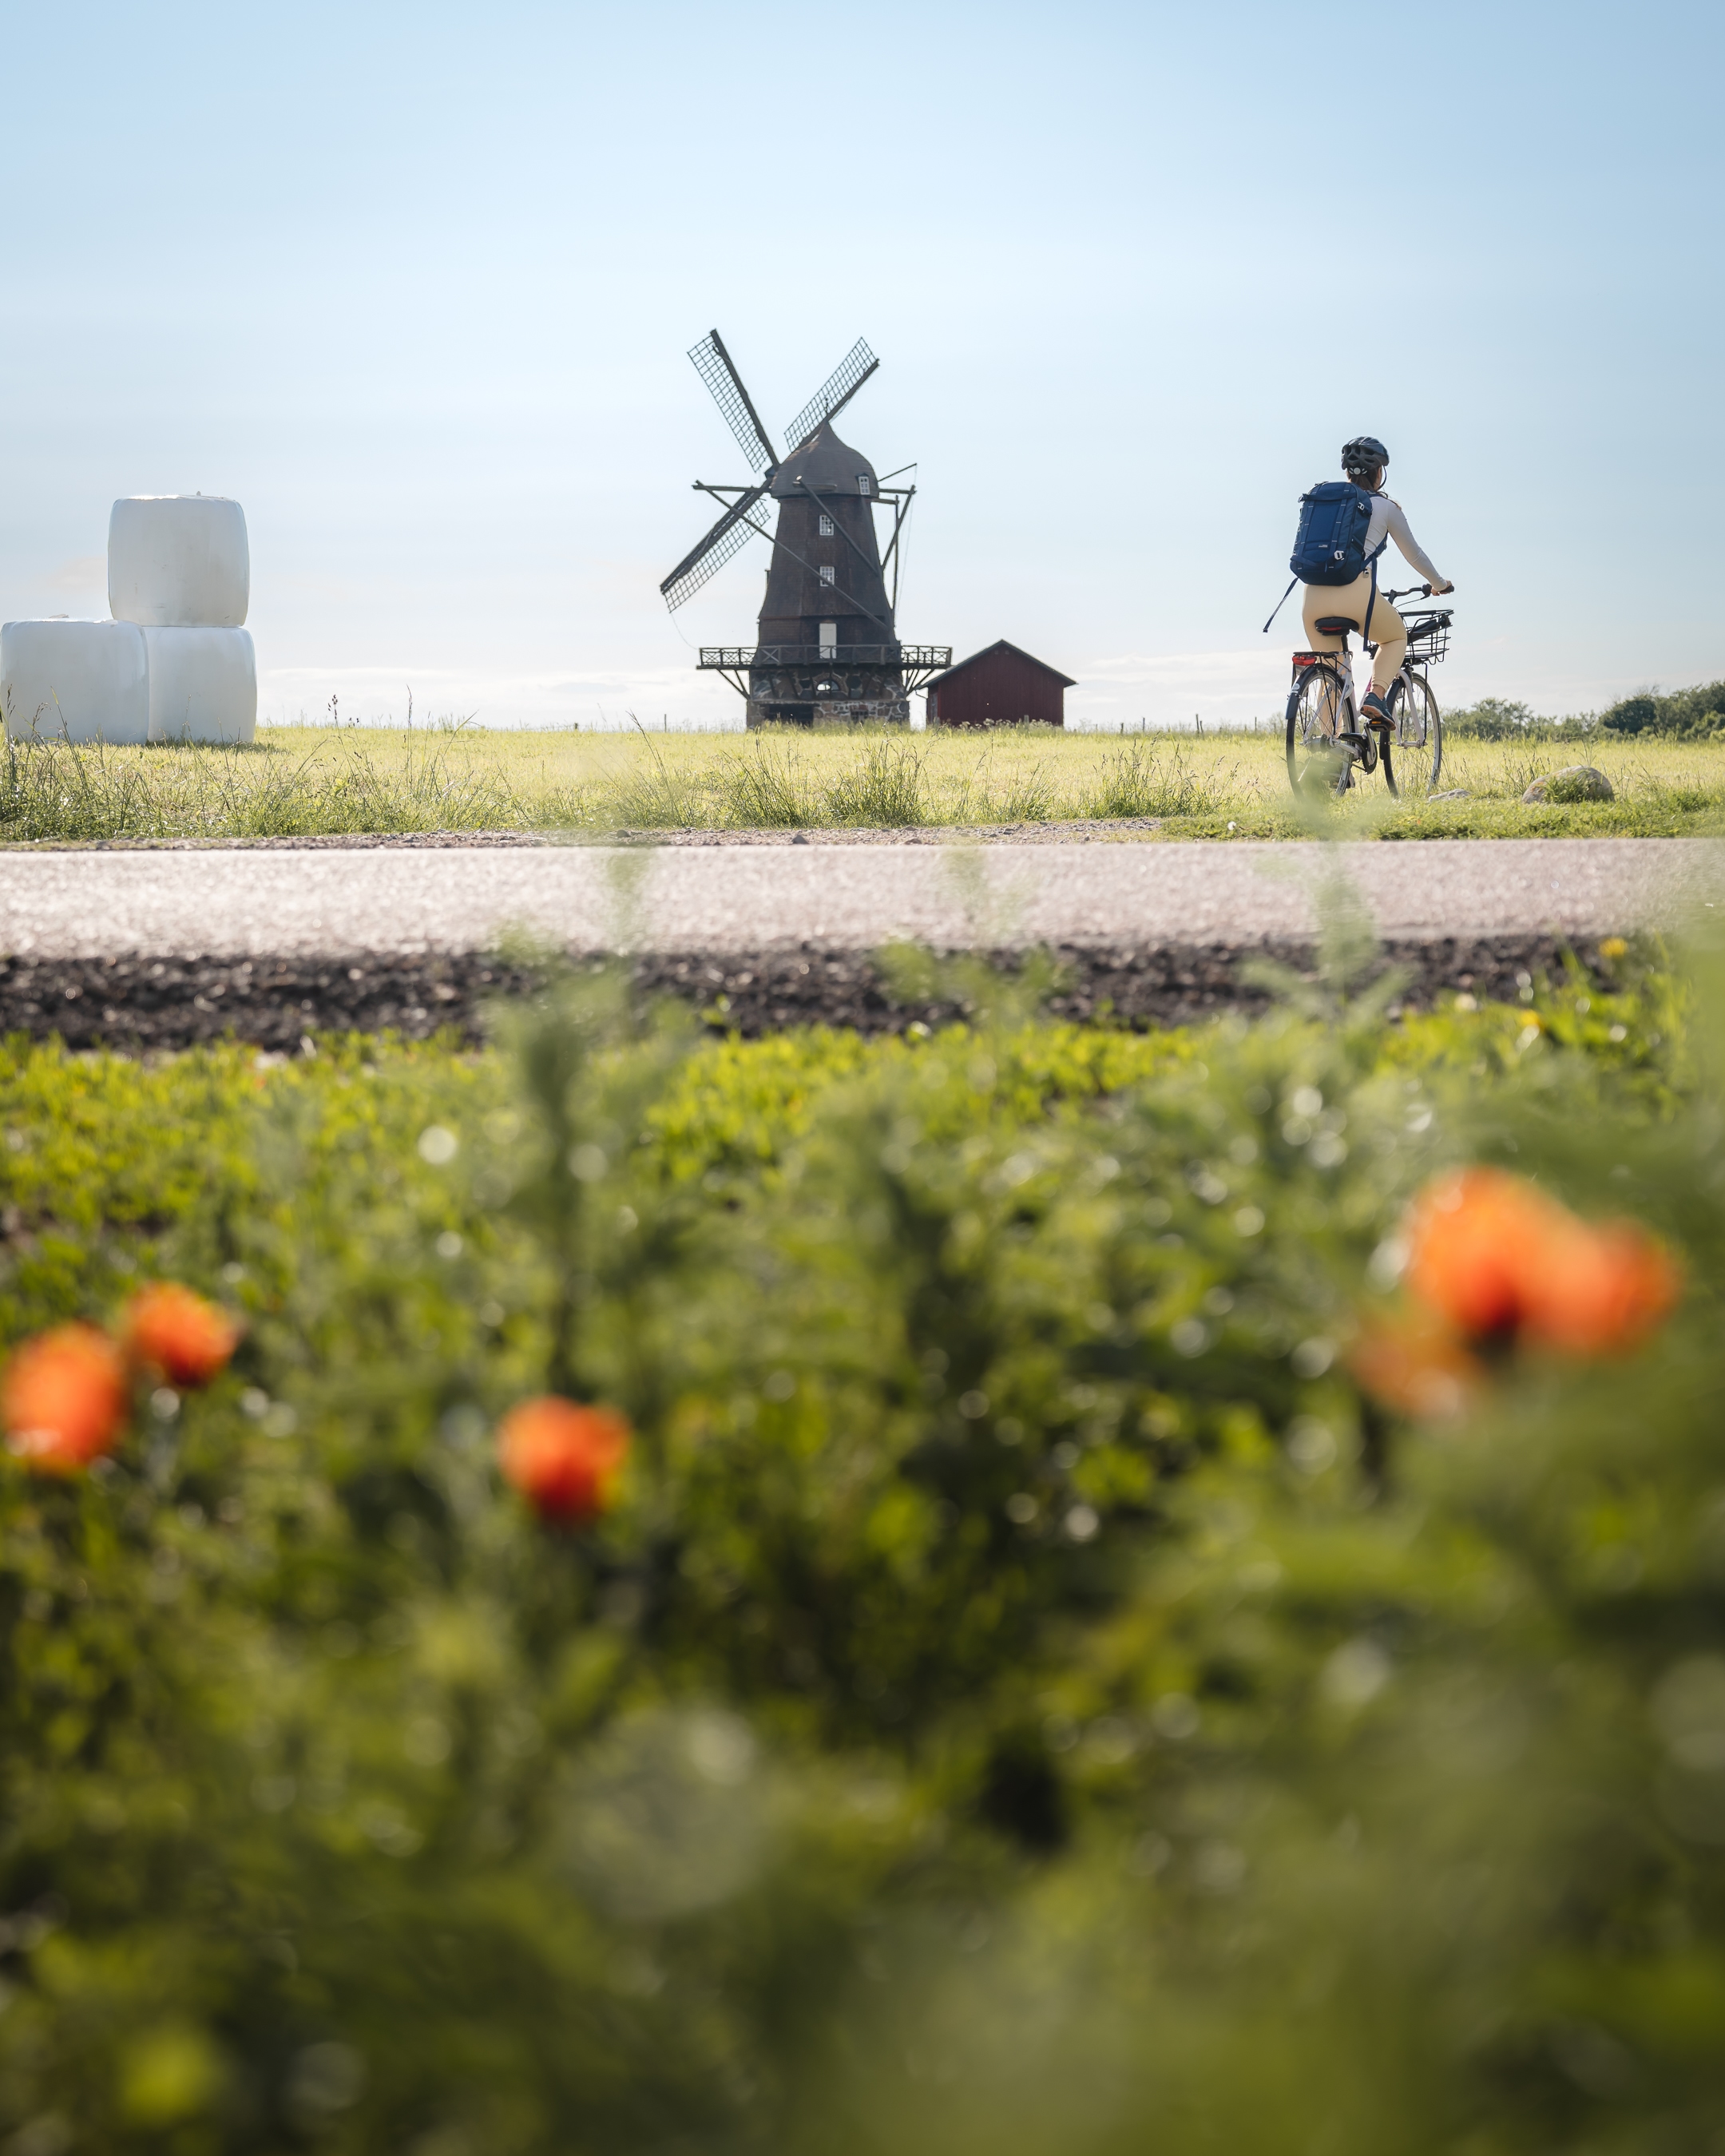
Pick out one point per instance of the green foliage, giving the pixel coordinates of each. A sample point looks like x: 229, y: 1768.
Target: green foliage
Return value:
x: 1021, y: 1700
x: 1690, y: 714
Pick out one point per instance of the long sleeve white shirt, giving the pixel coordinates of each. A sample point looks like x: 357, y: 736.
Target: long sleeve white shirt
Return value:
x: 1389, y: 520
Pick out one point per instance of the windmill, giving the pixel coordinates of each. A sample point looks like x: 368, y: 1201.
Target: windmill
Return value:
x: 826, y: 649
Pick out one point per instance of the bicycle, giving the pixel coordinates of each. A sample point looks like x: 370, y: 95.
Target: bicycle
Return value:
x: 1322, y: 705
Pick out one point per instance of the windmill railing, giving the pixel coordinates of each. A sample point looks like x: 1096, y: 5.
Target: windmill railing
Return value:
x: 743, y: 658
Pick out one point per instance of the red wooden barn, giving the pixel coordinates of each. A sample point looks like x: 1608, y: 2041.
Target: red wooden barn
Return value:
x: 1002, y: 686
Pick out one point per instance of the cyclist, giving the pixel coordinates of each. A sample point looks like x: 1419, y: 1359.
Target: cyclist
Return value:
x: 1365, y: 459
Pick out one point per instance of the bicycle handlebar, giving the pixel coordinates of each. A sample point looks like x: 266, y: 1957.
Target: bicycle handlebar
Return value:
x: 1423, y: 590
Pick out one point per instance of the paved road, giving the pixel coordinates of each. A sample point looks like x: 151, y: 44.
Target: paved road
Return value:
x: 234, y: 903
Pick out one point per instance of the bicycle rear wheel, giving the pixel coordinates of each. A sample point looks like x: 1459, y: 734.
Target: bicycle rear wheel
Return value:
x: 1317, y: 706
x: 1419, y: 728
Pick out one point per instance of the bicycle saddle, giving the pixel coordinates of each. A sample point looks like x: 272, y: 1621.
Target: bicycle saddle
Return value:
x: 1333, y: 624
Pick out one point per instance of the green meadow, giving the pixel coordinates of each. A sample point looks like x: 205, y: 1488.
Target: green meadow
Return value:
x: 307, y: 781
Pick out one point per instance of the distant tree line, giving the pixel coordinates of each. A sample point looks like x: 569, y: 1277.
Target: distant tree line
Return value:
x: 1688, y: 711
x: 1689, y: 714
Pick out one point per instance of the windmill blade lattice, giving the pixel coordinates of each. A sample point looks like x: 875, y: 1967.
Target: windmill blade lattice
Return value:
x: 708, y: 556
x: 858, y: 364
x: 712, y: 363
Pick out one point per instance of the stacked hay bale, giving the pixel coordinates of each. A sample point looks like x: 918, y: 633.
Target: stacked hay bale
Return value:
x: 176, y: 663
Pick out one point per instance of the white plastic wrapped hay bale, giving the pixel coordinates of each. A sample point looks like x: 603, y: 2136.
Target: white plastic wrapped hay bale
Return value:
x: 203, y: 684
x: 178, y: 561
x: 74, y: 680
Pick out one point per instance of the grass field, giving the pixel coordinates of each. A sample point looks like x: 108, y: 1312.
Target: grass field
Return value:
x: 305, y: 781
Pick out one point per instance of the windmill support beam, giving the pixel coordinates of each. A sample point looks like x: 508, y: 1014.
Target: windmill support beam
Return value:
x: 900, y: 497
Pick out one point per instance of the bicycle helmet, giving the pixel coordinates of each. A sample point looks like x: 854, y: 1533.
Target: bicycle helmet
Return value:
x: 1365, y: 452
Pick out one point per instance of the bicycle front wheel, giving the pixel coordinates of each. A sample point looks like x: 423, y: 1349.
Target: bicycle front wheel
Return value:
x: 1419, y: 728
x: 1316, y: 705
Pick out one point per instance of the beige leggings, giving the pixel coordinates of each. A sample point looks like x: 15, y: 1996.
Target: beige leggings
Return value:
x: 1348, y: 602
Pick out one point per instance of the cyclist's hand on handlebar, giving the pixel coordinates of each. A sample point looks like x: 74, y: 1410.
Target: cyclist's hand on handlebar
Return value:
x: 1439, y: 591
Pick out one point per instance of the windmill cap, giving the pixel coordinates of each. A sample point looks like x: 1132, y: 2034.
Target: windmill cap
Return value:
x: 824, y: 464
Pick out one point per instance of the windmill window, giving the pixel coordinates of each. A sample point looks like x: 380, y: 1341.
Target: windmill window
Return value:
x: 864, y: 484
x: 828, y: 574
x: 826, y: 526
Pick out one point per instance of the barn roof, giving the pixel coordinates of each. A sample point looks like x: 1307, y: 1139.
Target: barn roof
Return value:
x: 976, y: 659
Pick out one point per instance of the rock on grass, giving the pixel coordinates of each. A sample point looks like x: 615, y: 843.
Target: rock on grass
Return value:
x: 1576, y: 782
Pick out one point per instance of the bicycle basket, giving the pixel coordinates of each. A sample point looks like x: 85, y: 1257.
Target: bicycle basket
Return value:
x: 1429, y: 635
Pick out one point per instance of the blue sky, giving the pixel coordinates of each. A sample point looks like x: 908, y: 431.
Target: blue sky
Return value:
x: 415, y: 285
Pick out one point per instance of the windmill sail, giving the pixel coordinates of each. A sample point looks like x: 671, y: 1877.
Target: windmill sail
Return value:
x: 712, y: 363
x: 858, y: 364
x: 708, y: 556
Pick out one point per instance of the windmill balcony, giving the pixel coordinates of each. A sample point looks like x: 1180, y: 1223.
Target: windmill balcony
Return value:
x: 738, y: 657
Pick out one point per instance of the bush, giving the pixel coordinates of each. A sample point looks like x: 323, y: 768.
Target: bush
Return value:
x: 1023, y: 1695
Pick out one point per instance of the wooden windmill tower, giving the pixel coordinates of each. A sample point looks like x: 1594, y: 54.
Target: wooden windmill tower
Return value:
x: 826, y: 651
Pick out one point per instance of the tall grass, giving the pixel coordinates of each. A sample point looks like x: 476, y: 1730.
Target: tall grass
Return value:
x: 886, y: 790
x: 62, y: 790
x: 769, y: 786
x: 658, y: 795
x: 299, y: 784
x: 768, y: 789
x: 1144, y: 779
x: 889, y: 785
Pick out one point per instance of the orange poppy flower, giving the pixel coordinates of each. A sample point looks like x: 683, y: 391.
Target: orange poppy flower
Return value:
x: 1416, y: 1366
x: 1475, y: 1240
x: 1602, y: 1291
x: 64, y: 1399
x: 1494, y: 1257
x: 169, y: 1328
x: 562, y: 1457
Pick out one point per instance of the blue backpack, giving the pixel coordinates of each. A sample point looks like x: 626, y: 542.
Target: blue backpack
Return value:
x: 1330, y: 546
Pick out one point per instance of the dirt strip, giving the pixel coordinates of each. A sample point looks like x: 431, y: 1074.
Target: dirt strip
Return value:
x: 141, y: 1003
